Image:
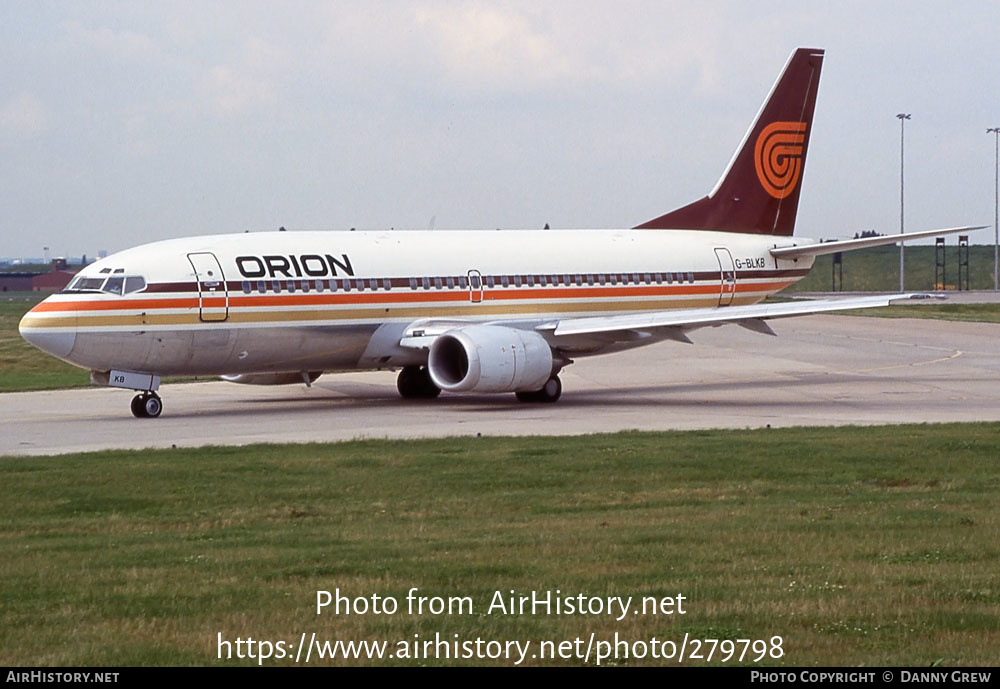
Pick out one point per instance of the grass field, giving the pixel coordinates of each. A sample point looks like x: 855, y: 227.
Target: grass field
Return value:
x: 23, y: 367
x: 875, y: 546
x: 877, y: 270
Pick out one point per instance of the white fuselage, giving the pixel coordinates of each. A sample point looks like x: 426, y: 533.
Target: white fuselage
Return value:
x: 324, y: 301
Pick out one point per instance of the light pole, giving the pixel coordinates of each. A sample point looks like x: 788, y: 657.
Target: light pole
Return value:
x: 996, y: 205
x: 902, y: 120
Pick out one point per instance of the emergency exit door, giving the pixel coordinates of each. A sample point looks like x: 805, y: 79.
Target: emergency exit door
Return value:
x: 727, y: 276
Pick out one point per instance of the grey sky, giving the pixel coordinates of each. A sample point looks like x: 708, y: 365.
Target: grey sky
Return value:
x: 122, y: 123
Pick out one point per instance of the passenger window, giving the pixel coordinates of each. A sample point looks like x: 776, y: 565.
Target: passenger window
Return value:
x: 246, y: 287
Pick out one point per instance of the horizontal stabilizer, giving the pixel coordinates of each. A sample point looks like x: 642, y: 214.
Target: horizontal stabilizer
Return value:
x: 854, y: 244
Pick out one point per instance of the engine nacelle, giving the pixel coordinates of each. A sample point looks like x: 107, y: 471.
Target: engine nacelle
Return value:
x: 274, y: 378
x: 490, y: 358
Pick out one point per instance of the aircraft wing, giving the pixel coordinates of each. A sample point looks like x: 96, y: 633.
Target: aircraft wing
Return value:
x: 670, y: 324
x: 852, y: 244
x: 751, y: 317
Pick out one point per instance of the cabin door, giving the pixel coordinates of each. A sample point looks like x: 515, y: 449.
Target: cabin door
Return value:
x: 213, y: 297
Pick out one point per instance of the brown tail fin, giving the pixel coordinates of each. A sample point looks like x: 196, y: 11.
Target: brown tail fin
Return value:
x: 759, y: 191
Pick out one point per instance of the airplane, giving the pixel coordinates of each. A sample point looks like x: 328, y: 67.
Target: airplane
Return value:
x: 460, y: 311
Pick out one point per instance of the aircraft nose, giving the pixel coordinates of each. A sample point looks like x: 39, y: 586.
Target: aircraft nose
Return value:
x: 55, y: 336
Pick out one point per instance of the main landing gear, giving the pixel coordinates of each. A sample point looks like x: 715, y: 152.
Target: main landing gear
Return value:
x: 414, y: 382
x: 550, y: 392
x: 146, y: 405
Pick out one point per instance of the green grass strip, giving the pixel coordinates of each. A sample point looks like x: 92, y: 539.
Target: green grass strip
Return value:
x: 858, y: 546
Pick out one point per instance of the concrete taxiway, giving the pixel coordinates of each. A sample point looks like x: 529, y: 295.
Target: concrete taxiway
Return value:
x: 821, y: 370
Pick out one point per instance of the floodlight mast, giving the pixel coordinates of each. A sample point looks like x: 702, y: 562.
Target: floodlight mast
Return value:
x: 902, y: 117
x: 996, y: 207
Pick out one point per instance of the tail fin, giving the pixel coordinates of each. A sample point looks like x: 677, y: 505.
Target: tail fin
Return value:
x: 759, y: 191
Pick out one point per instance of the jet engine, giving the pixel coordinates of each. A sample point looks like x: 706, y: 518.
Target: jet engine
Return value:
x: 490, y: 358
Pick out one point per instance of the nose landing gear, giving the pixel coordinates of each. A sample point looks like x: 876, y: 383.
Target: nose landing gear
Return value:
x: 146, y: 405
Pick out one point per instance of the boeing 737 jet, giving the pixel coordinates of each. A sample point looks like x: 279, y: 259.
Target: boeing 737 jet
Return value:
x: 463, y: 312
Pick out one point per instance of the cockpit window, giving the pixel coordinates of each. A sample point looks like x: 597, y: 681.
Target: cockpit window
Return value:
x: 114, y: 284
x: 87, y: 285
x: 134, y: 284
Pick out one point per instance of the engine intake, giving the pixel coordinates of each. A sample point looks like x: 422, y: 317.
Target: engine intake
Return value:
x: 490, y: 358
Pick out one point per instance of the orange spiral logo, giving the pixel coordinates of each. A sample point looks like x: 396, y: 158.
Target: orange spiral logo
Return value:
x: 778, y: 157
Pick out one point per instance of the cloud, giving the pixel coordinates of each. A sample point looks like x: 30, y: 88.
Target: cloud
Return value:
x: 24, y: 117
x: 118, y: 43
x: 229, y: 92
x: 478, y: 45
x: 479, y: 48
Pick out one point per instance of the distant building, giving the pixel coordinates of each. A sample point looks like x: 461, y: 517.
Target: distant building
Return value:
x: 16, y: 282
x: 56, y: 279
x: 53, y: 281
